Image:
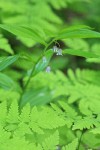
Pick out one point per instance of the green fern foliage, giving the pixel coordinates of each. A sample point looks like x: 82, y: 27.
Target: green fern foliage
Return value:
x: 13, y: 113
x: 53, y: 141
x: 71, y: 146
x: 40, y: 124
x: 39, y: 127
x: 42, y: 107
x: 15, y: 126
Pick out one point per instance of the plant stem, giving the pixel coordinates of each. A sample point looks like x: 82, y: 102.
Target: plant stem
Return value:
x: 24, y: 88
x: 80, y: 139
x: 49, y: 45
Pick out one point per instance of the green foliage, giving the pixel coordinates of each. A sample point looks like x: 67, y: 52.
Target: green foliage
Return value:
x: 80, y: 53
x: 49, y: 75
x: 7, y: 83
x: 6, y: 61
x: 77, y: 32
x: 4, y: 45
x: 15, y: 127
x: 28, y: 127
x: 41, y: 64
x: 24, y: 32
x: 72, y: 145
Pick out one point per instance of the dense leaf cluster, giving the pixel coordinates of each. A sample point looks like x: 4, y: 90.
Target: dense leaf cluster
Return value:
x: 49, y: 75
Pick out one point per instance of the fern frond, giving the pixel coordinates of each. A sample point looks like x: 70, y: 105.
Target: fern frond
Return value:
x: 71, y: 146
x: 65, y: 111
x: 32, y: 125
x: 4, y: 135
x: 45, y: 123
x: 91, y: 140
x: 22, y: 129
x: 69, y: 110
x: 51, y: 142
x: 3, y: 112
x: 96, y: 130
x: 85, y: 123
x: 8, y: 95
x: 34, y: 121
x: 25, y: 114
x: 13, y: 114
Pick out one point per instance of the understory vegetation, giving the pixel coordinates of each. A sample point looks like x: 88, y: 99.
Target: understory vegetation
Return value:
x: 49, y: 75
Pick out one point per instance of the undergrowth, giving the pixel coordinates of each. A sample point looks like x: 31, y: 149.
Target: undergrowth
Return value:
x: 48, y: 99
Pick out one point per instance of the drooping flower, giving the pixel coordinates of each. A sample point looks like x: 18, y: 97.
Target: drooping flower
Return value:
x: 48, y: 69
x: 55, y: 48
x: 59, y: 52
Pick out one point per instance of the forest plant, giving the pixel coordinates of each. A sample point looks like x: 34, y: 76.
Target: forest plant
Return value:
x: 49, y: 111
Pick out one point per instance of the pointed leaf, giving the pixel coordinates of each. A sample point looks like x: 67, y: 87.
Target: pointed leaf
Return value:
x: 6, y: 61
x: 80, y: 53
x: 24, y: 32
x: 71, y: 146
x: 41, y: 64
x: 7, y: 83
x: 4, y: 45
x: 13, y: 115
x: 77, y: 32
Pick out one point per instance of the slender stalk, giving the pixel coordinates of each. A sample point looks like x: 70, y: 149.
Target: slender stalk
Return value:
x: 49, y: 45
x: 24, y: 88
x: 80, y: 139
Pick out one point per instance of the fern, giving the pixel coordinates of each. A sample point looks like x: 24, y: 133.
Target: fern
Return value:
x: 76, y: 87
x: 21, y: 126
x: 4, y: 45
x: 53, y: 141
x: 9, y: 95
x: 13, y: 113
x: 25, y: 12
x: 17, y: 125
x: 53, y: 110
x: 96, y: 130
x: 71, y: 146
x: 25, y: 114
x: 3, y: 113
x: 87, y: 122
x: 84, y: 98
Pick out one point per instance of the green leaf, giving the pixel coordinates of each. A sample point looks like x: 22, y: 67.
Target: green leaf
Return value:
x: 96, y: 130
x: 6, y: 61
x: 41, y: 65
x: 7, y: 83
x: 34, y: 121
x: 72, y: 28
x: 25, y: 113
x: 36, y: 97
x: 80, y: 53
x: 24, y: 32
x: 71, y: 146
x: 51, y: 142
x: 77, y: 32
x: 85, y: 123
x: 93, y: 60
x: 4, y: 45
x: 3, y: 112
x: 13, y: 114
